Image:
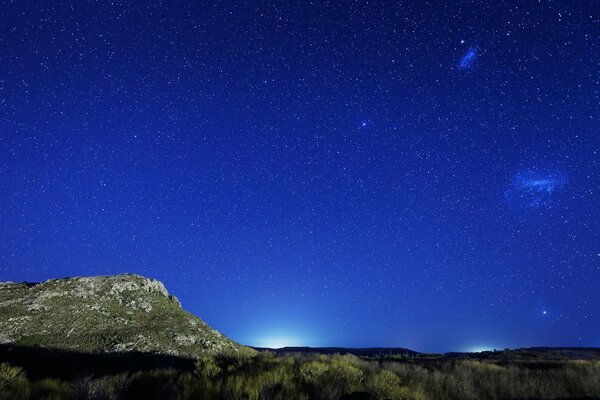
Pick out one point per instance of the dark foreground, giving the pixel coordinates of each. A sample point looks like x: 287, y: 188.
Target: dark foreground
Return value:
x: 39, y: 373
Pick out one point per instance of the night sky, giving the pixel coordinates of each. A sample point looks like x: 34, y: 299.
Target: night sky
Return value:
x: 351, y: 173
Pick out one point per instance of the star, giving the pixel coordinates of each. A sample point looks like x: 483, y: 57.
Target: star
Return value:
x: 364, y: 124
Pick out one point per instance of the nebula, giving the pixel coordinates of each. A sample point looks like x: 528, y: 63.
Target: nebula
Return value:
x: 535, y: 188
x: 468, y: 59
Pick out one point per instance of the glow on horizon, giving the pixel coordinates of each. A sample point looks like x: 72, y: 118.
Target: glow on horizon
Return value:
x: 481, y: 348
x: 277, y: 342
x: 279, y: 337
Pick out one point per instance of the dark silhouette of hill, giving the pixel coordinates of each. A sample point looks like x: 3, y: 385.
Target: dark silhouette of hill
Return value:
x: 360, y: 352
x: 533, y: 353
x: 529, y: 353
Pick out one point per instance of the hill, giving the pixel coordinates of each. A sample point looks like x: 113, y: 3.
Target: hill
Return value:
x: 119, y: 313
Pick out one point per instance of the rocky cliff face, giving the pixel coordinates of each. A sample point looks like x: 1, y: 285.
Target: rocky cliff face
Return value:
x: 104, y: 314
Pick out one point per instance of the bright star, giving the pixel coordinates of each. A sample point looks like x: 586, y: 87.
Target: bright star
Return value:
x: 365, y: 123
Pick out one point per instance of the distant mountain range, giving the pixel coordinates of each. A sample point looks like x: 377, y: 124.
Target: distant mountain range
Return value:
x: 361, y: 352
x: 120, y: 313
x: 530, y: 353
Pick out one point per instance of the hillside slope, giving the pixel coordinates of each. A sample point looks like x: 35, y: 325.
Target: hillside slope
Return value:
x: 104, y: 314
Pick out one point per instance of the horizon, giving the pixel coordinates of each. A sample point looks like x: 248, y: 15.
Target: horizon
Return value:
x: 410, y: 174
x: 278, y: 343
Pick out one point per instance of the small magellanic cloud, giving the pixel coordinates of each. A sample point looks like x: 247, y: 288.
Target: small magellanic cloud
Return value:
x: 535, y: 188
x: 468, y: 58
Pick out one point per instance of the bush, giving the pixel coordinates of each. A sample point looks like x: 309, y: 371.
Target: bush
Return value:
x: 207, y: 367
x: 109, y: 387
x: 331, y: 379
x: 384, y: 385
x: 52, y: 389
x: 13, y: 383
x: 156, y: 384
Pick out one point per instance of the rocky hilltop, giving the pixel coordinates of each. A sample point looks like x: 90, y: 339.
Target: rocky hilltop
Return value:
x: 104, y: 314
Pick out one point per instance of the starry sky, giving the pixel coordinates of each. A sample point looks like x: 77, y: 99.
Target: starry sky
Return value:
x: 421, y: 174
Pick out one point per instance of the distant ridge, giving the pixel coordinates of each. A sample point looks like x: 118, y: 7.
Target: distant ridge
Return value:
x: 532, y: 353
x: 546, y: 353
x: 362, y: 352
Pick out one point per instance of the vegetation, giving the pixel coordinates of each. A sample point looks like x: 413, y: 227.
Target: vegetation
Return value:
x: 265, y: 375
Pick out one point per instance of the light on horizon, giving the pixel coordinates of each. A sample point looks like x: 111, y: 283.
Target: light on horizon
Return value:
x: 481, y: 349
x: 277, y: 342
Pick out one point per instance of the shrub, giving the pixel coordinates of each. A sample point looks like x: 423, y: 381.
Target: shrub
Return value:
x: 207, y: 367
x: 109, y: 387
x: 31, y: 340
x: 331, y: 380
x: 155, y: 384
x: 13, y: 383
x: 52, y: 389
x: 384, y: 385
